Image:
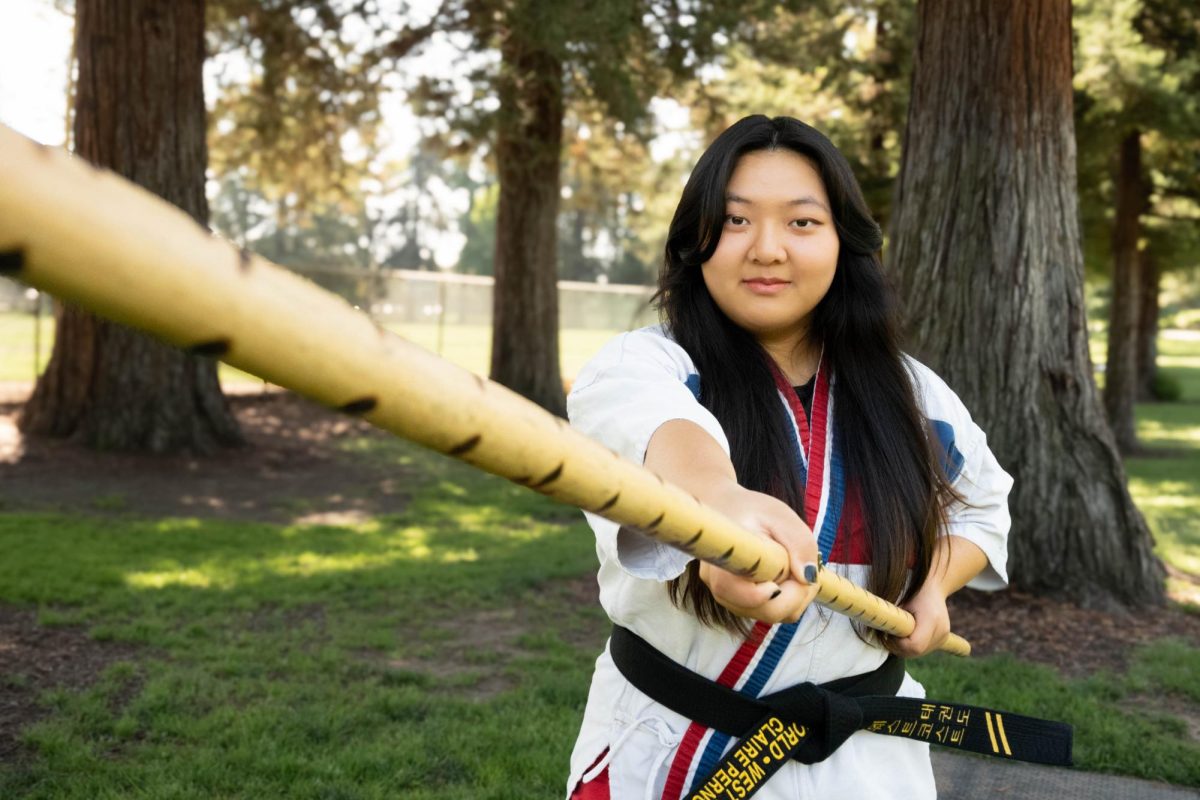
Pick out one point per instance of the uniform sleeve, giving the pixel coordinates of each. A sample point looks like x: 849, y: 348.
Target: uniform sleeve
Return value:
x: 982, y: 517
x: 637, y: 382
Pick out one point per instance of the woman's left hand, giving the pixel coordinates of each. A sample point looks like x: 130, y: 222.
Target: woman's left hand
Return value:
x: 928, y: 606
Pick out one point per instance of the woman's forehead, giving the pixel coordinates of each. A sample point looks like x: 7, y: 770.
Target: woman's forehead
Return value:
x: 776, y: 178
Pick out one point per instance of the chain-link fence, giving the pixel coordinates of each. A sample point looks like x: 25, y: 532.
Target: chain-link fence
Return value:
x: 449, y: 313
x: 425, y: 296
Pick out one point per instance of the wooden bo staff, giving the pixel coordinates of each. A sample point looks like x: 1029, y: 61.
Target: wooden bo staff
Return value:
x: 89, y: 237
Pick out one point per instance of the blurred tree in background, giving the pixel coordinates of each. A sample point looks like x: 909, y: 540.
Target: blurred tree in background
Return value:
x: 138, y: 109
x: 1138, y: 107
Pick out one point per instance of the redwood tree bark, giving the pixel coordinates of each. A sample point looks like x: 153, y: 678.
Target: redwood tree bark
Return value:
x: 1120, y: 372
x: 1147, y: 325
x: 987, y: 252
x: 525, y: 297
x: 139, y: 110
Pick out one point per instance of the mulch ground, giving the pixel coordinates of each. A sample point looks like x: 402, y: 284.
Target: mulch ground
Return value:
x: 293, y: 453
x: 291, y: 470
x: 1076, y: 641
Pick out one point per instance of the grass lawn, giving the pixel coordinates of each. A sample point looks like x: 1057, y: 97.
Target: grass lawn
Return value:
x: 443, y: 652
x: 431, y: 654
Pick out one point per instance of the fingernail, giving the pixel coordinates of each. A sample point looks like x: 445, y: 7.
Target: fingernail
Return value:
x: 777, y: 593
x: 810, y: 573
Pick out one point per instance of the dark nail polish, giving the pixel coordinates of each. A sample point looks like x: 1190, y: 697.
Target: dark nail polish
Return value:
x: 810, y: 573
x: 777, y: 593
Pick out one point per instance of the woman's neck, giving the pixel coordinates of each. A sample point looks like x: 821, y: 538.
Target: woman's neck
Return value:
x: 795, y: 356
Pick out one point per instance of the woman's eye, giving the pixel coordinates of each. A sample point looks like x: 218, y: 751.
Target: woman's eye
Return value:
x: 734, y: 219
x: 804, y: 223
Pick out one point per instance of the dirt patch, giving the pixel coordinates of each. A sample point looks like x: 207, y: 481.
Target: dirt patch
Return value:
x: 1171, y: 705
x: 293, y: 471
x: 34, y: 658
x: 1077, y: 641
x: 474, y: 649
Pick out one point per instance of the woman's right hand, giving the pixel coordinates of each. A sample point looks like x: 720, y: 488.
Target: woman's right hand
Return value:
x: 770, y: 518
x: 685, y: 454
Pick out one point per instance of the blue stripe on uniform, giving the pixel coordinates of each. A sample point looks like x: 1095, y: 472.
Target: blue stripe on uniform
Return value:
x: 753, y: 686
x: 952, y: 460
x: 835, y: 501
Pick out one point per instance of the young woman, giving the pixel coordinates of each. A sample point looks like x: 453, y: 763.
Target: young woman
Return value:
x: 777, y: 393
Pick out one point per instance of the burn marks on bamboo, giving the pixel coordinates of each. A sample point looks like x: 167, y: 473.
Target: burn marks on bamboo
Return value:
x: 609, y: 503
x: 359, y: 407
x: 214, y: 349
x: 465, y: 447
x: 554, y: 475
x: 12, y: 261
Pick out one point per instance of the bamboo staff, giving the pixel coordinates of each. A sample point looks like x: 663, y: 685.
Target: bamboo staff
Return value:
x: 89, y: 237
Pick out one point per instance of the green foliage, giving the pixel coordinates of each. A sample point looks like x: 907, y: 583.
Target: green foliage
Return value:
x: 312, y: 83
x: 1134, y: 71
x: 1167, y: 387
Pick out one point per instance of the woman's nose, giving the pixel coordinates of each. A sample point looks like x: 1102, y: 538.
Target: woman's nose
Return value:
x: 768, y: 246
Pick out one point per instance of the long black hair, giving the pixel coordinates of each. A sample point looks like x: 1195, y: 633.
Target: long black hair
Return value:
x: 892, y: 471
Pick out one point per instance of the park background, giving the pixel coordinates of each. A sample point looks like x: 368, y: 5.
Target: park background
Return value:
x: 328, y: 612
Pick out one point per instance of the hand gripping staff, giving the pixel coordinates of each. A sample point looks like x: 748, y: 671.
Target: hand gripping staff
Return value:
x: 89, y: 237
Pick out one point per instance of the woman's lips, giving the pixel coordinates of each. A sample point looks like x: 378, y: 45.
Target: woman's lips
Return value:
x: 766, y: 285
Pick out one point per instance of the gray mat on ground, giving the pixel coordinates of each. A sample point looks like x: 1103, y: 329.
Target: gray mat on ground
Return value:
x: 961, y: 777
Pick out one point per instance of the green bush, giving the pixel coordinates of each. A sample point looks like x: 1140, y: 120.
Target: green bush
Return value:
x: 1167, y: 387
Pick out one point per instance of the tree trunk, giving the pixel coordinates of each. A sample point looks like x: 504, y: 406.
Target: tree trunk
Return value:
x: 987, y: 252
x: 139, y: 110
x: 525, y: 297
x: 1120, y: 372
x: 882, y: 115
x: 1147, y: 326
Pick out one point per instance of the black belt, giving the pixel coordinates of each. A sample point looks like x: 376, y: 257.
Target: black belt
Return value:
x: 808, y: 722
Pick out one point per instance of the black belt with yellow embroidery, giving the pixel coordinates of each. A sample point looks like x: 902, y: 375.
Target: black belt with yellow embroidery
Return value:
x: 808, y: 722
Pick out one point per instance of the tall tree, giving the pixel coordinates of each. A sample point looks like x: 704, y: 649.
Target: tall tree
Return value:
x: 1120, y: 375
x: 1172, y: 26
x: 1147, y: 326
x: 529, y: 129
x: 1138, y: 94
x: 139, y: 110
x: 986, y: 246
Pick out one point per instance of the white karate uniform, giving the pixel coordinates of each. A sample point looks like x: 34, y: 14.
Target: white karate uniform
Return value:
x: 637, y: 382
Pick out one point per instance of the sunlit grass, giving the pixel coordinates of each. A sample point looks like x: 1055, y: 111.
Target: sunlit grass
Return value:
x: 314, y: 661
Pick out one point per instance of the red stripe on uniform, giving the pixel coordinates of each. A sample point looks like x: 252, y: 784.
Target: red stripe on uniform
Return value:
x: 597, y: 787
x: 695, y: 732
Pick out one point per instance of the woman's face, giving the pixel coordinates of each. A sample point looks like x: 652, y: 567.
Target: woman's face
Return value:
x: 778, y: 248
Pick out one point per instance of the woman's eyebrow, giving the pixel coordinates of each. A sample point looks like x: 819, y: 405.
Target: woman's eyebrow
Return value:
x: 807, y: 200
